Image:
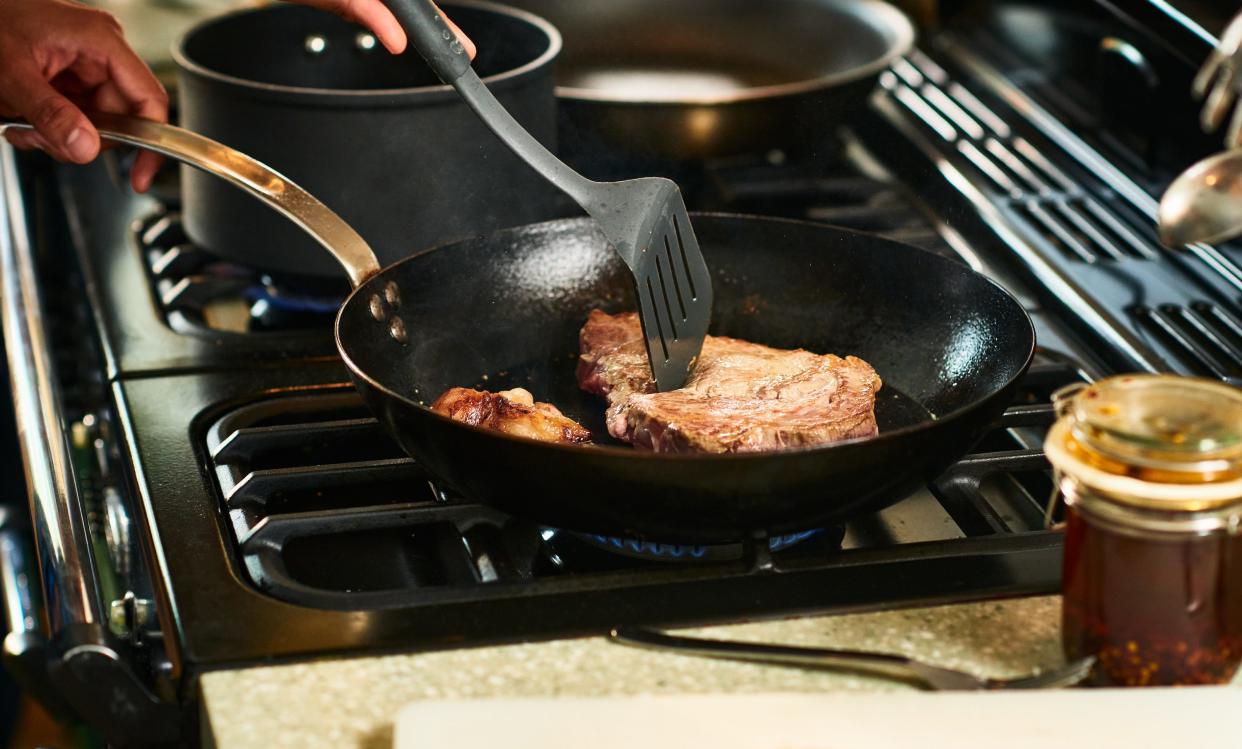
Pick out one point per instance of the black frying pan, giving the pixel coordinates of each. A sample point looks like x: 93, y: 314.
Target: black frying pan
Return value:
x: 505, y: 310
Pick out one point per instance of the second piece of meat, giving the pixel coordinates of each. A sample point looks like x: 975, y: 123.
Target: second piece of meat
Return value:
x: 741, y: 396
x: 513, y: 412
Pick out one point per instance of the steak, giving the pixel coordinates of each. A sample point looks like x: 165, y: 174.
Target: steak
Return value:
x: 741, y: 396
x: 513, y: 412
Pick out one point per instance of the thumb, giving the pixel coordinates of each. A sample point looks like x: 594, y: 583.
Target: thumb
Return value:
x: 70, y: 134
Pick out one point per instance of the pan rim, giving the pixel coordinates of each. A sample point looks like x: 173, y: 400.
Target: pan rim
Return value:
x: 630, y: 453
x: 894, y: 17
x: 382, y: 95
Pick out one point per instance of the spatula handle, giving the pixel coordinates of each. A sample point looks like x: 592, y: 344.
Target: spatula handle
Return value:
x: 439, y: 47
x: 432, y: 37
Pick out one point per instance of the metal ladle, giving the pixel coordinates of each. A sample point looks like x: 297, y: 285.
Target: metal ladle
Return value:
x: 1204, y: 203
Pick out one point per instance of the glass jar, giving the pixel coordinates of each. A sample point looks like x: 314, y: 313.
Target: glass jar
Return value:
x: 1150, y: 468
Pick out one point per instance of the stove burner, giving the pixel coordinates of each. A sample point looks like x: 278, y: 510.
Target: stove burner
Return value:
x: 687, y: 552
x: 285, y: 299
x: 573, y: 551
x: 199, y: 291
x: 279, y: 305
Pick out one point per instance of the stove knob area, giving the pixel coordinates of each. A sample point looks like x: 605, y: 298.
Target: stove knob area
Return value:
x: 117, y: 532
x: 129, y: 616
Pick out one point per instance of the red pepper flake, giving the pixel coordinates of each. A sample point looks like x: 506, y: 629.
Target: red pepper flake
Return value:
x: 1128, y: 602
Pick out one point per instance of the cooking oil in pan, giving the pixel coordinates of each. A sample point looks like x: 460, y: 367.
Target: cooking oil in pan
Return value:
x: 894, y: 410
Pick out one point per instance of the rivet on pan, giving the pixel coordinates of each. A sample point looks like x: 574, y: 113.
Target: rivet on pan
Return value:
x: 315, y: 44
x: 392, y: 294
x: 396, y: 329
x: 377, y: 308
x: 364, y: 41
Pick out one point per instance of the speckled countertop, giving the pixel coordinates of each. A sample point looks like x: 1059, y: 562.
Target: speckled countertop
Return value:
x: 349, y: 703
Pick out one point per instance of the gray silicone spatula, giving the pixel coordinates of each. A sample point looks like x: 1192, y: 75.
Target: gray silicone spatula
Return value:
x: 644, y: 219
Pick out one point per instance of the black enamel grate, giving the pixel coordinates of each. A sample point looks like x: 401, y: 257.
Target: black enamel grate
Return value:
x: 1183, y: 306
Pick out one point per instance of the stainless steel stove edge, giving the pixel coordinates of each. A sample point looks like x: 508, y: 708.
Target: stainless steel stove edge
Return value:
x: 71, y: 659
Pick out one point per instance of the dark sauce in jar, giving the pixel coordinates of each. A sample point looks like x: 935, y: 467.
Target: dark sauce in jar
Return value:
x: 1150, y: 467
x: 1152, y: 611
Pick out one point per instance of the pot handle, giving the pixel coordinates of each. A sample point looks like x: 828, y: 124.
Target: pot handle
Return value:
x: 266, y: 184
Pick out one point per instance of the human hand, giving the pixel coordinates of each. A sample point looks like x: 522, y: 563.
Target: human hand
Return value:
x: 58, y: 58
x: 1219, y: 81
x: 379, y: 19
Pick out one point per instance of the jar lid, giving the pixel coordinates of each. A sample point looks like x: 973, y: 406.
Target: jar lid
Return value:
x: 1156, y: 440
x: 1160, y: 421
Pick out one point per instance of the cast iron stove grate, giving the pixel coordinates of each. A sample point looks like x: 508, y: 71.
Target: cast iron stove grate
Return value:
x: 198, y: 291
x: 327, y: 512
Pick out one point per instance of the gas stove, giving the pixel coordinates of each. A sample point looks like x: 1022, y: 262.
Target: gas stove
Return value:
x: 208, y: 492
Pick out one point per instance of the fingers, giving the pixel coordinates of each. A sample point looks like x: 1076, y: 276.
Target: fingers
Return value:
x: 1233, y: 137
x: 370, y: 13
x: 143, y: 93
x: 1231, y: 40
x: 146, y: 166
x: 66, y: 132
x: 1219, y: 100
x: 1203, y: 79
x: 138, y: 92
x: 379, y: 19
x: 1218, y: 81
x: 461, y: 36
x: 27, y: 140
x: 108, y: 98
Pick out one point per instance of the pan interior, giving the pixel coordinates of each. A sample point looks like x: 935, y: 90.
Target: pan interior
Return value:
x: 505, y: 311
x: 649, y: 50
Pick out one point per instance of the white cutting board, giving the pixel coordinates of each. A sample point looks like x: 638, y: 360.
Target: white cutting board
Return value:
x: 1187, y: 718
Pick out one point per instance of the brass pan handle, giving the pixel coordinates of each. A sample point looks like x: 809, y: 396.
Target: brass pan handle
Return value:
x: 265, y: 183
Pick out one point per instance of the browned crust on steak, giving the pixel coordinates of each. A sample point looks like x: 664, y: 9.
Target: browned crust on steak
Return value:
x: 513, y: 412
x: 612, y: 359
x: 741, y: 397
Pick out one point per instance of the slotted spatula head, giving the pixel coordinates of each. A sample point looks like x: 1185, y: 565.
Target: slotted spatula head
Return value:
x: 647, y: 224
x: 644, y: 219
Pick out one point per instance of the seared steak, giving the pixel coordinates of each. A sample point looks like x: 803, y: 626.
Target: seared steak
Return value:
x: 741, y: 397
x: 512, y: 412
